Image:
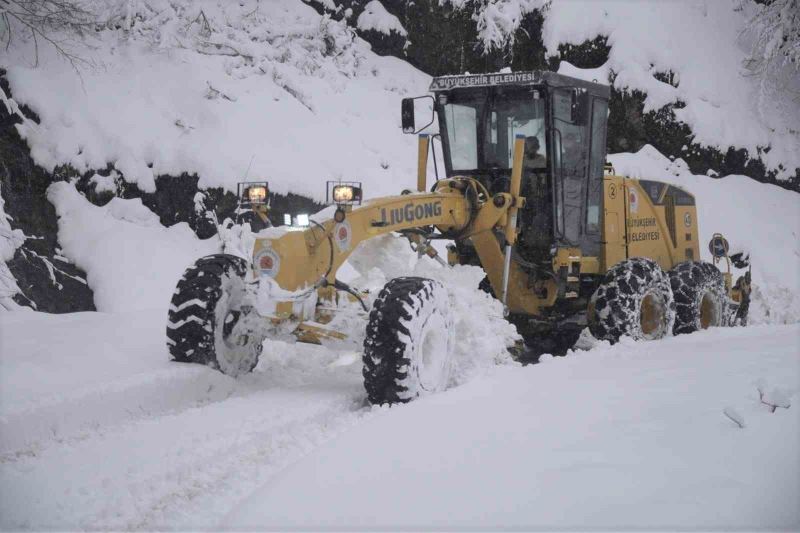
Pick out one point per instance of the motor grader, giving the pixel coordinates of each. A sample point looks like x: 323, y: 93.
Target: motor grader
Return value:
x: 525, y: 193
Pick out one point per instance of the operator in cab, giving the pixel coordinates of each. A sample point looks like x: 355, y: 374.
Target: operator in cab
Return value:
x: 534, y: 238
x: 533, y: 160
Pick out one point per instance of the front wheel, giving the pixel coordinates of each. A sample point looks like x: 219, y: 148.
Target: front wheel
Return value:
x: 409, y: 343
x: 207, y: 323
x: 635, y: 299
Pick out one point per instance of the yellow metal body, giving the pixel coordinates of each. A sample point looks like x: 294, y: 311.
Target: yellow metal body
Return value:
x: 633, y: 225
x: 298, y: 260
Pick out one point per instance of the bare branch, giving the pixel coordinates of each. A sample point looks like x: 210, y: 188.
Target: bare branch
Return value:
x: 45, y: 19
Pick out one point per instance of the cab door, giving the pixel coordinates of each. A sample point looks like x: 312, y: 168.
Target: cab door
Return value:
x: 570, y: 157
x: 591, y: 235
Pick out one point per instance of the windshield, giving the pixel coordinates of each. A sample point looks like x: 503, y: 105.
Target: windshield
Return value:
x: 481, y: 126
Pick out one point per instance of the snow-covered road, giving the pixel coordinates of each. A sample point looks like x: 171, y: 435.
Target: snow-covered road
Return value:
x: 99, y: 430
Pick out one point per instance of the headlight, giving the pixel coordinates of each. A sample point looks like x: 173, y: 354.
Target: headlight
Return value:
x: 302, y: 220
x: 344, y: 193
x: 257, y: 194
x: 287, y: 219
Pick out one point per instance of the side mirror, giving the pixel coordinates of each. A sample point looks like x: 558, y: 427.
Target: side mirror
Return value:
x: 579, y: 113
x: 408, y: 111
x: 407, y: 115
x: 718, y: 246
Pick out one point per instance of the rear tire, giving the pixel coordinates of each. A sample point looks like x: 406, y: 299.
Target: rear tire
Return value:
x: 409, y: 343
x: 635, y: 299
x: 699, y: 290
x: 204, y: 311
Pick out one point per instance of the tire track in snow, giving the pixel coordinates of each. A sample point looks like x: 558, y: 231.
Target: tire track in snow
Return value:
x: 61, y: 417
x: 174, y: 470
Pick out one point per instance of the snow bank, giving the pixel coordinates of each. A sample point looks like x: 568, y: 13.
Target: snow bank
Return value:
x: 131, y: 260
x: 700, y: 43
x: 273, y: 92
x: 628, y: 437
x: 763, y: 220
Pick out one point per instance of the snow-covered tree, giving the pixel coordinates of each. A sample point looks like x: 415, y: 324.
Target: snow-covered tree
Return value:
x: 498, y: 20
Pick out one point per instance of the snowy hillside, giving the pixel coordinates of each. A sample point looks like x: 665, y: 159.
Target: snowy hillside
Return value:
x: 273, y: 90
x: 226, y: 90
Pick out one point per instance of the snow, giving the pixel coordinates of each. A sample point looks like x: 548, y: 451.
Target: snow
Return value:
x: 105, y: 183
x: 600, y: 74
x: 100, y: 431
x: 498, y: 20
x: 629, y: 437
x: 10, y: 240
x: 276, y: 84
x: 700, y: 43
x: 131, y: 261
x: 376, y: 18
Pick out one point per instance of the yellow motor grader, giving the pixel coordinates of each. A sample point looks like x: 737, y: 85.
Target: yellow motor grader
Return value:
x: 525, y: 194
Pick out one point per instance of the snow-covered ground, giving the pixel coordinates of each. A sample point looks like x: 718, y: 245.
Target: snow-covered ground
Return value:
x: 632, y: 437
x: 99, y: 431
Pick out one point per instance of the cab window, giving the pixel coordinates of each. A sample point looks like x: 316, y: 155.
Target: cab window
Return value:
x: 596, y: 162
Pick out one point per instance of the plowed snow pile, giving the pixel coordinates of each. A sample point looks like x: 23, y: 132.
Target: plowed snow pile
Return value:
x: 131, y: 260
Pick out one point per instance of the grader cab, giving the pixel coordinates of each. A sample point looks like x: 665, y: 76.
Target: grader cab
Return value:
x: 525, y: 193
